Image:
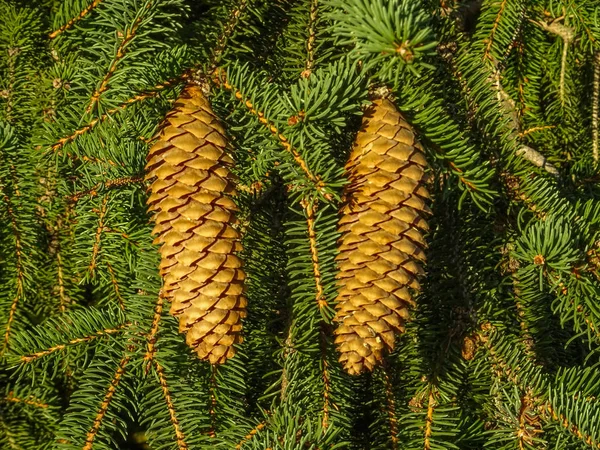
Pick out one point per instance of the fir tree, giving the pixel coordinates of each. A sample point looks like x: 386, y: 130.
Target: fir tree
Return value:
x: 488, y: 171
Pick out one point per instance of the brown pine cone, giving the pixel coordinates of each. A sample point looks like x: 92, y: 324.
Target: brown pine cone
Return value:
x: 382, y: 247
x: 195, y: 218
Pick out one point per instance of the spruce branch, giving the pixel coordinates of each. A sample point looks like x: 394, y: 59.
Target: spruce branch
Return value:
x: 108, y: 184
x: 309, y: 211
x: 151, y: 93
x: 98, y: 334
x: 253, y: 432
x: 13, y: 53
x: 19, y: 268
x: 220, y: 77
x: 310, y: 43
x: 113, y: 280
x: 326, y: 379
x: 181, y: 444
x: 61, y: 282
x: 97, y: 237
x: 567, y: 35
x: 31, y: 400
x: 391, y: 409
x: 151, y: 336
x: 75, y: 19
x: 106, y: 401
x: 226, y: 34
x: 126, y: 38
x: 490, y: 40
x: 596, y: 105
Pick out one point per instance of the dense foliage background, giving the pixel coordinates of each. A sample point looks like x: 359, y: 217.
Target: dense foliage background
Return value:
x: 502, y: 349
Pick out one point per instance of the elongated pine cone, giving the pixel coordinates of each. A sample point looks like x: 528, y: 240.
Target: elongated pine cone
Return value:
x: 195, y: 217
x: 381, y: 247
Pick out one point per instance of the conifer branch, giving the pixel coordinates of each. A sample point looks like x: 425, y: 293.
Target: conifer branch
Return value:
x: 19, y: 268
x: 61, y: 283
x: 130, y: 33
x: 151, y: 336
x: 112, y: 388
x: 221, y: 80
x: 571, y: 427
x: 431, y: 404
x: 31, y: 400
x: 115, y: 284
x: 391, y: 408
x: 309, y: 210
x: 75, y: 19
x: 228, y: 29
x: 181, y: 444
x: 288, y: 349
x: 9, y: 436
x: 155, y: 91
x: 212, y: 411
x: 101, y: 333
x: 250, y: 435
x: 310, y: 43
x: 108, y: 184
x: 97, y: 237
x: 326, y: 379
x: 567, y: 35
x: 490, y: 41
x: 12, y: 55
x: 535, y: 129
x: 596, y: 105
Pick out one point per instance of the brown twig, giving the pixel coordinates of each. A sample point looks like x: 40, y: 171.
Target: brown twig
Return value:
x: 115, y: 284
x: 391, y: 408
x: 75, y: 19
x: 151, y: 336
x: 572, y: 428
x: 109, y: 184
x: 310, y: 43
x: 121, y: 50
x: 212, y: 411
x: 250, y: 435
x: 99, y: 230
x: 56, y: 147
x: 112, y: 388
x: 227, y: 32
x: 31, y: 401
x: 19, y: 269
x: 181, y: 444
x: 221, y: 79
x: 98, y: 334
x: 490, y: 40
x: 431, y: 404
x: 309, y: 210
x: 595, y: 105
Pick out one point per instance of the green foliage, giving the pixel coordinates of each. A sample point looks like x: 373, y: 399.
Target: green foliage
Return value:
x: 502, y: 348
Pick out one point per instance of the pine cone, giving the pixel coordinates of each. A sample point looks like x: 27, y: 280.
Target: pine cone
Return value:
x: 195, y: 218
x: 382, y: 245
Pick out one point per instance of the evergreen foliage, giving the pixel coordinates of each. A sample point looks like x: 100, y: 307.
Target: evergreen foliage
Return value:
x: 503, y: 344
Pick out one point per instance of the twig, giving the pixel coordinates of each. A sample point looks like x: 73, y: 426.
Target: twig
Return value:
x: 77, y: 18
x: 181, y: 444
x: 19, y: 269
x: 99, y: 334
x: 250, y: 435
x: 99, y: 230
x: 595, y: 105
x: 310, y: 43
x: 537, y: 159
x: 32, y: 401
x: 112, y: 388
